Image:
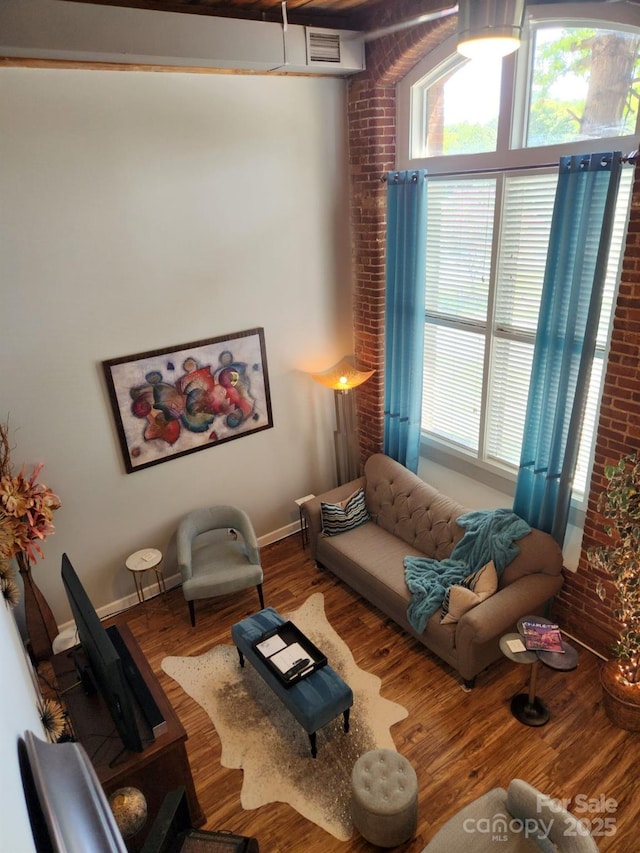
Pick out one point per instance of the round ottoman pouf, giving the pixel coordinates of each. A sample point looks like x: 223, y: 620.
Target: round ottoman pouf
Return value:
x: 384, y: 797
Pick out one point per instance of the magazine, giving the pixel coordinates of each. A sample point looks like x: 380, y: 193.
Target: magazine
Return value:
x: 542, y: 636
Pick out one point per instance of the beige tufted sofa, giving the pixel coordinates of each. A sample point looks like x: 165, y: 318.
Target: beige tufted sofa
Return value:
x: 409, y: 517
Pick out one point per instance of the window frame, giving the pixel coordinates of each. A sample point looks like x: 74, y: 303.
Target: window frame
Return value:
x: 513, y: 105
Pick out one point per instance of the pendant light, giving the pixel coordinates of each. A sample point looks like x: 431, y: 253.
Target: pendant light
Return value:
x: 489, y: 28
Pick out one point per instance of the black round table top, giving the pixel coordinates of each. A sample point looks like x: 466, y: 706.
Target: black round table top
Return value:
x: 564, y: 660
x: 517, y: 657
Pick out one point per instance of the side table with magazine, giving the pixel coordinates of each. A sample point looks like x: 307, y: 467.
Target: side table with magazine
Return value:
x: 538, y: 640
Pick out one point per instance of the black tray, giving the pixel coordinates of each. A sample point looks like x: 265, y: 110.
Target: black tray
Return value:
x: 291, y: 634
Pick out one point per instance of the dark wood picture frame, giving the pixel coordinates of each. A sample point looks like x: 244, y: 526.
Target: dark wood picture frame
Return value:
x: 173, y: 401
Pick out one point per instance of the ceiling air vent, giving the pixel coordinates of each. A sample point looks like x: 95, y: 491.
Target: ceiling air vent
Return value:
x: 323, y: 46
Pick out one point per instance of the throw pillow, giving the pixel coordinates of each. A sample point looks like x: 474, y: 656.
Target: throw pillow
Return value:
x: 349, y: 513
x: 476, y: 587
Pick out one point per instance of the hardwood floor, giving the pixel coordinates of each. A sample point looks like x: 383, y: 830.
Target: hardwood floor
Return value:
x: 460, y: 744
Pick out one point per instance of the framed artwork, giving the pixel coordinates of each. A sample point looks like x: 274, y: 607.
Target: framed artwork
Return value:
x: 177, y: 400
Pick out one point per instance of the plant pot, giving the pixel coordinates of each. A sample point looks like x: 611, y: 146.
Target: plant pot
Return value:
x: 621, y: 700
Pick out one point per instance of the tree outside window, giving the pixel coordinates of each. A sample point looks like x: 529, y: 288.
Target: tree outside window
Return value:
x: 492, y: 163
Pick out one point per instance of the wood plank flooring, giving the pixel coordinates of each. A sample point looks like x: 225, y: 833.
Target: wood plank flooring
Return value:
x: 461, y: 744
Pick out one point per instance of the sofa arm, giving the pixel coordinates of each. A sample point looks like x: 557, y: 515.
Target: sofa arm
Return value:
x: 311, y: 508
x: 499, y: 613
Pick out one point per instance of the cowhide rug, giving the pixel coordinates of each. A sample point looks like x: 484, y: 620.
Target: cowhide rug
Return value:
x: 259, y: 735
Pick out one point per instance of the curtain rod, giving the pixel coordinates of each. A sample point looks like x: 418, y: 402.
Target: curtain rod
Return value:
x: 628, y: 158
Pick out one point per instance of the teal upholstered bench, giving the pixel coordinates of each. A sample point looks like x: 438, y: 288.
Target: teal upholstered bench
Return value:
x: 314, y: 700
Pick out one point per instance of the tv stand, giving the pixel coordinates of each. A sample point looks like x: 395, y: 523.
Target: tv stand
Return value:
x: 163, y: 764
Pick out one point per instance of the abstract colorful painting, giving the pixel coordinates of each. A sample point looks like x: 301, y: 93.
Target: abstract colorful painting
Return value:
x: 174, y: 401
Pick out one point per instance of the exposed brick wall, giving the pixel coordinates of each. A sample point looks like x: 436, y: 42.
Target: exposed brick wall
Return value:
x: 372, y: 143
x: 372, y: 151
x: 578, y: 606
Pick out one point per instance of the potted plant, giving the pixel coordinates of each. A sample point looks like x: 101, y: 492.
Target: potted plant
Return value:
x: 619, y: 504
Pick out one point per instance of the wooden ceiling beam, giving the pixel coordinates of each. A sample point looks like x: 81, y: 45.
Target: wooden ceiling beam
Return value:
x: 333, y: 15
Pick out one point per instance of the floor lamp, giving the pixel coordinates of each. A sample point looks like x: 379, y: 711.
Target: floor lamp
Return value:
x: 342, y: 378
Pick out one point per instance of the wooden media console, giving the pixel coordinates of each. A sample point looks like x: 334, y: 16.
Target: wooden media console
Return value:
x: 162, y: 766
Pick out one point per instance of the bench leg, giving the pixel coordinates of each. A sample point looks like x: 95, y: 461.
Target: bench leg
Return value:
x: 312, y: 736
x: 241, y: 656
x: 312, y: 740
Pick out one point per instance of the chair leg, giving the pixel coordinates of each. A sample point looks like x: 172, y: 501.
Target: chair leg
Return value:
x: 261, y: 596
x: 192, y: 613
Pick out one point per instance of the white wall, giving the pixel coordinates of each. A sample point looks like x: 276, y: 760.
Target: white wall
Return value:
x: 141, y: 210
x: 18, y: 712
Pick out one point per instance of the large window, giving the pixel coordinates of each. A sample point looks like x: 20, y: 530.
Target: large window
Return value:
x: 490, y: 135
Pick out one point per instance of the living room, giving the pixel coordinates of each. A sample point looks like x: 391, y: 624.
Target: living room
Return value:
x: 145, y: 210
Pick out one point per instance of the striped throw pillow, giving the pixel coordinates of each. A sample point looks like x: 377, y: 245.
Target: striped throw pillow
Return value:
x: 343, y: 516
x: 462, y: 596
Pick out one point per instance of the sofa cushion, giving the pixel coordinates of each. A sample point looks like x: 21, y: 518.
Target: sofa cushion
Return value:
x: 345, y: 515
x: 476, y: 587
x: 370, y: 560
x: 410, y: 509
x: 375, y: 555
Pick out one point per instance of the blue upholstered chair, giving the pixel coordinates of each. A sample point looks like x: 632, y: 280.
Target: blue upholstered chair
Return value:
x: 218, y: 553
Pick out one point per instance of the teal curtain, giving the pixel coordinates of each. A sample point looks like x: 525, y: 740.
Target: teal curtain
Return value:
x: 566, y: 337
x: 404, y: 314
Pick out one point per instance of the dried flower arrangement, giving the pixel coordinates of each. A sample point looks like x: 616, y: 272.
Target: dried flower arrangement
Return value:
x: 53, y: 718
x: 26, y: 517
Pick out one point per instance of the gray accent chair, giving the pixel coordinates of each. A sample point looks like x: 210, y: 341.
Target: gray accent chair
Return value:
x: 517, y: 820
x: 218, y: 554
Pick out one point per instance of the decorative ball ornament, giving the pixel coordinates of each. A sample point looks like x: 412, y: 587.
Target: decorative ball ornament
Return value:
x: 129, y: 808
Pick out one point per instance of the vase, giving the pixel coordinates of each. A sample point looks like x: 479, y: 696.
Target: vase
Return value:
x: 41, y: 624
x: 621, y: 700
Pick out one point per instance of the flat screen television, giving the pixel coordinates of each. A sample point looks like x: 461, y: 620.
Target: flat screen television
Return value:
x: 104, y: 660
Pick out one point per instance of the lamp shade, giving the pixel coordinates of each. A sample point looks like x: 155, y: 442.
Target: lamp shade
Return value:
x: 343, y: 376
x: 489, y: 28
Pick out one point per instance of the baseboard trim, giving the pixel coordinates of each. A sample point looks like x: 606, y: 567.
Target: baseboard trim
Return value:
x: 67, y: 631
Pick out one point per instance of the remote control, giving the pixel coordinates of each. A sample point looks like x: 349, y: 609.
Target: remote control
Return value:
x: 298, y: 666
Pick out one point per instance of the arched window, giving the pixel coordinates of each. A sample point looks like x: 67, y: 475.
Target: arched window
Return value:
x: 490, y: 134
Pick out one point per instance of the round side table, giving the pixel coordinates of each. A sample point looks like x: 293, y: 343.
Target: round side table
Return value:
x: 564, y: 661
x: 526, y: 707
x: 148, y: 559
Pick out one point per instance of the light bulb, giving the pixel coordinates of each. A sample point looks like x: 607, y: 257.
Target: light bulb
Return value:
x: 488, y: 48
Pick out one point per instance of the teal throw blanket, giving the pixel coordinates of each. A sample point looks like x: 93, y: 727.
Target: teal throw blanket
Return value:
x: 490, y: 535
